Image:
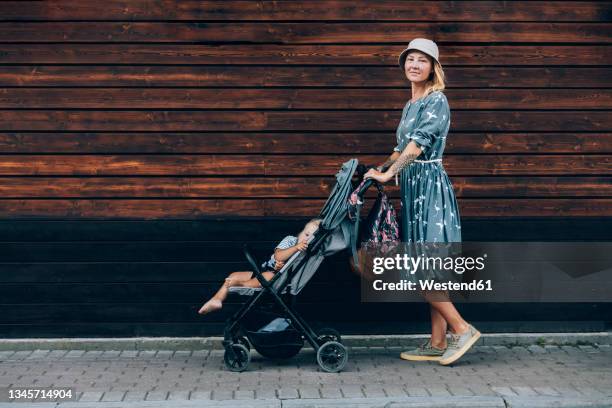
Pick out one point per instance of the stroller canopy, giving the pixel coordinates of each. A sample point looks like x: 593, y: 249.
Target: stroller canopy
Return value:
x: 336, y: 207
x: 335, y: 233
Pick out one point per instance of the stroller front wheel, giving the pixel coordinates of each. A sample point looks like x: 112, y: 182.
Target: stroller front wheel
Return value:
x: 332, y: 356
x: 237, y: 357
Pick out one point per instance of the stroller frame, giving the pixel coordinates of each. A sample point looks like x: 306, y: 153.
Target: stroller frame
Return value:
x: 332, y: 355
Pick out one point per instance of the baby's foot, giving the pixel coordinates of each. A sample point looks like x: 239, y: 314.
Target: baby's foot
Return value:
x: 210, y: 306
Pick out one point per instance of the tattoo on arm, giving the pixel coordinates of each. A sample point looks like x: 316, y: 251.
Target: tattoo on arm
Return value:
x: 405, y: 158
x: 386, y: 164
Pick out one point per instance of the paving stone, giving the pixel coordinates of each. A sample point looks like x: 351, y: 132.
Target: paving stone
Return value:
x: 178, y: 395
x: 374, y: 391
x: 524, y: 391
x: 287, y: 393
x: 309, y: 392
x: 546, y: 391
x: 353, y: 391
x: 113, y: 396
x: 134, y: 396
x: 417, y: 392
x: 157, y: 395
x: 200, y: 395
x: 91, y: 396
x: 504, y: 391
x: 244, y: 394
x: 268, y: 393
x: 327, y: 392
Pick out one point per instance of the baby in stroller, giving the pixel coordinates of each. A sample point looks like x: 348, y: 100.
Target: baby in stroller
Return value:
x: 283, y: 251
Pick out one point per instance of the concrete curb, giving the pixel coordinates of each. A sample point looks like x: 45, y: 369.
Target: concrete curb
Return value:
x: 214, y: 343
x: 401, y: 402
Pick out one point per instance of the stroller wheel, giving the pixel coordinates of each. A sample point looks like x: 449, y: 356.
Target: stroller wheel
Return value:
x: 236, y: 357
x: 328, y: 334
x: 332, y: 356
x: 244, y: 341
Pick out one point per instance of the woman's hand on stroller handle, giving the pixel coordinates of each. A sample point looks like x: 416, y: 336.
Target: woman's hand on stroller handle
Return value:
x: 378, y: 176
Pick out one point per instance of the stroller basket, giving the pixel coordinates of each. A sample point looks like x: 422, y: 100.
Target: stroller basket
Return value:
x: 272, y: 335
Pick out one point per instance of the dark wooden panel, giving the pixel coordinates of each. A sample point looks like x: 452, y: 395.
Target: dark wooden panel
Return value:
x: 130, y: 209
x: 203, y: 229
x: 272, y: 54
x: 286, y: 187
x: 148, y: 272
x: 131, y: 251
x: 106, y: 294
x: 253, y: 229
x: 504, y: 121
x: 475, y: 207
x: 288, y: 165
x: 307, y: 10
x: 254, y: 143
x: 195, y: 208
x: 302, y: 76
x: 155, y: 297
x: 348, y: 312
x: 303, y: 33
x: 224, y: 98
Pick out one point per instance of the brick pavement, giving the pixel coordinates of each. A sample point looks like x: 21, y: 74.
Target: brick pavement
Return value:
x: 372, y: 372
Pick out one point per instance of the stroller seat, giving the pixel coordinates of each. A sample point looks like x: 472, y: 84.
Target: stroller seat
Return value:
x: 246, y: 291
x: 243, y: 291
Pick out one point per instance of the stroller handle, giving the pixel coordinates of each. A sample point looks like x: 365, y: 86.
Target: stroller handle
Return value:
x: 365, y: 188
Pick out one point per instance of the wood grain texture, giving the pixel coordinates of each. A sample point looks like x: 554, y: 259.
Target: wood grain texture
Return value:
x: 273, y: 54
x: 303, y: 32
x: 293, y: 99
x: 287, y: 165
x: 240, y: 107
x: 304, y: 10
x: 152, y: 209
x: 375, y: 142
x: 153, y: 76
x: 293, y: 120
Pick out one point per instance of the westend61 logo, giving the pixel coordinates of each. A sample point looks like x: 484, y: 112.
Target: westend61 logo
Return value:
x: 410, y: 264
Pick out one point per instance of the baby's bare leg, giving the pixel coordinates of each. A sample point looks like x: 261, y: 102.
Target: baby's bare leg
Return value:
x: 253, y: 282
x: 216, y: 302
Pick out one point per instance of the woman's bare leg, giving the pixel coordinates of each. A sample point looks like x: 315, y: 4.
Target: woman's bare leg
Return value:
x: 216, y: 302
x: 448, y: 311
x: 438, y: 329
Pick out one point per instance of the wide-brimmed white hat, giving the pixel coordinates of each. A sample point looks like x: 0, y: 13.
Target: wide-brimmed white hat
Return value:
x: 421, y: 44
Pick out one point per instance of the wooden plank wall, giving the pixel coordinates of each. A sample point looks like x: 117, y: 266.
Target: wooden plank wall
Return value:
x: 161, y: 109
x: 143, y: 142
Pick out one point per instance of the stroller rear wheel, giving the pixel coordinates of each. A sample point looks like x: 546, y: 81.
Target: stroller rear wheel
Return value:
x: 236, y: 357
x: 332, y: 356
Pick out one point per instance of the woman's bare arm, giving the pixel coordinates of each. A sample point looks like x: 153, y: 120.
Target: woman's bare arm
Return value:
x: 411, y: 152
x: 392, y: 158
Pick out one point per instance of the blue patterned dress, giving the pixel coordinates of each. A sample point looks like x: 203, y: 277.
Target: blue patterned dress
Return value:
x: 429, y: 210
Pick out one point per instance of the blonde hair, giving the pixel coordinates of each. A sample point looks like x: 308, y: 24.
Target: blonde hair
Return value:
x: 316, y: 221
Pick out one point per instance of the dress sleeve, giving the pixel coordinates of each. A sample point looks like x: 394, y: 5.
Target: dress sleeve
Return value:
x: 433, y: 121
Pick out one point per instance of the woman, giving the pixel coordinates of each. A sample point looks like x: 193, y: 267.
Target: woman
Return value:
x: 429, y: 208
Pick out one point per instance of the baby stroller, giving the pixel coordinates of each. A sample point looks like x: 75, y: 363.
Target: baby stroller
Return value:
x: 280, y: 332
